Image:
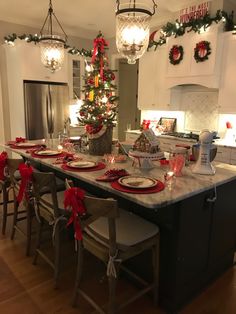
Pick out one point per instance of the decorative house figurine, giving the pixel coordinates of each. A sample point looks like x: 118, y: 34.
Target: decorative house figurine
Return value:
x: 147, y: 142
x: 146, y: 149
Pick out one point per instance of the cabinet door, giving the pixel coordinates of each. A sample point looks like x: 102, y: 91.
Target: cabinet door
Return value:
x: 223, y: 154
x: 223, y: 235
x: 147, y: 80
x: 75, y: 72
x: 227, y: 91
x: 194, y: 232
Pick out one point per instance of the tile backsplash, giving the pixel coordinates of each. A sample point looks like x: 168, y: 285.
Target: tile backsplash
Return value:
x: 201, y: 110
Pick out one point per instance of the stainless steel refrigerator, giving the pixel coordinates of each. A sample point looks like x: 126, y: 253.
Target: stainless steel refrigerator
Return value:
x: 46, y: 105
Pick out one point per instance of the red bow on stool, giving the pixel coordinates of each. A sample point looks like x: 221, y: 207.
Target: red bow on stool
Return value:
x: 3, y: 163
x: 26, y: 177
x: 74, y: 201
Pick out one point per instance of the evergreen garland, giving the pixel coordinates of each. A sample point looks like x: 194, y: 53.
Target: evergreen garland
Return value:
x: 195, y: 25
x: 10, y: 39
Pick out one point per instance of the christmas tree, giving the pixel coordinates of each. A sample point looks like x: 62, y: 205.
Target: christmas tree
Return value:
x: 99, y: 106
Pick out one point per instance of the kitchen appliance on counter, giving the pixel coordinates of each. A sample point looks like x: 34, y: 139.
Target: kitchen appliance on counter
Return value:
x: 45, y: 108
x: 203, y: 165
x: 187, y: 135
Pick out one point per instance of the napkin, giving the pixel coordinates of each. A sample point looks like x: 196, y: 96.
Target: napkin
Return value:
x: 112, y: 175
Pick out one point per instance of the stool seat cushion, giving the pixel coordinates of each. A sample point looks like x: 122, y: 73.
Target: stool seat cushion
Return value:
x: 130, y: 229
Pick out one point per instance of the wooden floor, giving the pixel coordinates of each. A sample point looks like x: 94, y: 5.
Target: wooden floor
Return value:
x: 28, y: 289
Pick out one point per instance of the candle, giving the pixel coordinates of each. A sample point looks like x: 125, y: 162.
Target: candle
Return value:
x: 169, y: 178
x: 60, y: 148
x: 43, y: 140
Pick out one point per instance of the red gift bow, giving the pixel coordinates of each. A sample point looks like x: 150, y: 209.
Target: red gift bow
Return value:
x: 26, y: 177
x: 3, y: 163
x: 74, y: 200
x: 93, y: 130
x: 20, y: 139
x: 99, y: 44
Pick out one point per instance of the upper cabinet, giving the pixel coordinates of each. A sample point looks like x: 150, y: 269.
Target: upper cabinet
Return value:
x: 75, y: 72
x: 227, y: 91
x: 26, y: 59
x: 152, y: 91
x: 188, y: 71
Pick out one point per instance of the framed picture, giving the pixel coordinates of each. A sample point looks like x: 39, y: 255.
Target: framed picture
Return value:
x: 168, y: 124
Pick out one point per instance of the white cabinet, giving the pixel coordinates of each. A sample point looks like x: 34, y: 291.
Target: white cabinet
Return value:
x: 223, y: 154
x: 152, y: 91
x: 188, y: 71
x: 166, y: 144
x: 227, y: 91
x: 75, y: 76
x: 27, y: 62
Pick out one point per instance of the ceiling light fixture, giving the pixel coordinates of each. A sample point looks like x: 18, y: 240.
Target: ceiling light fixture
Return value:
x: 52, y: 46
x: 132, y: 29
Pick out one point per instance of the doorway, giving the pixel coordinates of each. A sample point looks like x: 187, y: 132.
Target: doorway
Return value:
x: 128, y: 114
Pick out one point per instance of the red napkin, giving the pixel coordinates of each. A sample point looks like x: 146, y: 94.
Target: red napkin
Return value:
x: 20, y: 140
x: 3, y: 163
x: 112, y: 175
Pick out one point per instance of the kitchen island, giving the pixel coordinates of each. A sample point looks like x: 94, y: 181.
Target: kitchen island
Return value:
x: 197, y: 220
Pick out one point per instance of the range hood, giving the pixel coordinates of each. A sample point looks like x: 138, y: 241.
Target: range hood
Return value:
x: 190, y: 72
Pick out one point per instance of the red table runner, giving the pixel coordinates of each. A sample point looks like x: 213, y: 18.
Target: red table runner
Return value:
x: 159, y: 187
x: 99, y: 166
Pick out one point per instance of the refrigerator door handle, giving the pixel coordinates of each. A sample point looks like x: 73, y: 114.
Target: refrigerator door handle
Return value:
x: 49, y: 112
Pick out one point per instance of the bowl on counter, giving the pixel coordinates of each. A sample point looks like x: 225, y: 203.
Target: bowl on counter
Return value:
x: 196, y: 149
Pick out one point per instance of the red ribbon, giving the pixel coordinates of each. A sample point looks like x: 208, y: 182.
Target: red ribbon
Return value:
x: 3, y: 163
x: 26, y: 177
x: 74, y: 201
x: 99, y: 45
x: 20, y: 139
x: 93, y: 130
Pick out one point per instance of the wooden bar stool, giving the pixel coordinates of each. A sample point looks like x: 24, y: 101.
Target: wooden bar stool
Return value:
x: 114, y: 235
x: 48, y: 212
x: 5, y: 188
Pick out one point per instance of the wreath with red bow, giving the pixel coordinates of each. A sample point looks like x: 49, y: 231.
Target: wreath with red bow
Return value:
x: 176, y: 54
x: 202, y: 51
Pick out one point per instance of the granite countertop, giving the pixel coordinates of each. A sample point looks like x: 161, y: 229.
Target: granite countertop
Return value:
x: 188, y: 185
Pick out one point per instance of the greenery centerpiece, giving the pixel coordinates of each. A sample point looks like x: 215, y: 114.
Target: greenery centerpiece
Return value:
x: 99, y: 108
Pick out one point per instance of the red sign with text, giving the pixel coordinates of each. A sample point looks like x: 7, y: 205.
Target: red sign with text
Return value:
x: 194, y: 12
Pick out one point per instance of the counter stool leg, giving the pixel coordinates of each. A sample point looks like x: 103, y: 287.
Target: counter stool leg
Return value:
x: 29, y: 211
x: 38, y: 241
x: 4, y: 216
x: 15, y: 214
x: 57, y: 254
x: 80, y: 253
x: 155, y: 254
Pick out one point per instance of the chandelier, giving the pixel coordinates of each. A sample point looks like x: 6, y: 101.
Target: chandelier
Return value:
x: 52, y: 46
x: 132, y: 29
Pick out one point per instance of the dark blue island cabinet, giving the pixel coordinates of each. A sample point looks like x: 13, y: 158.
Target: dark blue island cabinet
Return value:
x: 198, y: 237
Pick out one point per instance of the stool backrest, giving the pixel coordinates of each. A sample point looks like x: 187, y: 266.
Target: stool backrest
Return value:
x: 45, y: 181
x: 12, y: 167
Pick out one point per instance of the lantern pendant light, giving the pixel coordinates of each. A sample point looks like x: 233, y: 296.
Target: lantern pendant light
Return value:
x: 52, y: 46
x: 132, y: 29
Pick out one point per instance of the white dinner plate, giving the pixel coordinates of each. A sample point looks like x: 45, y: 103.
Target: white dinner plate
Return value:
x: 25, y: 144
x: 82, y: 164
x: 47, y: 152
x: 137, y: 182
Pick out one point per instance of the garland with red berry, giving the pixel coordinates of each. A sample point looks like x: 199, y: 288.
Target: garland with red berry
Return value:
x: 176, y: 54
x: 202, y: 51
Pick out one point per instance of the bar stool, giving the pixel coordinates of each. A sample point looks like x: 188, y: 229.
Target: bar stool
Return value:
x: 28, y: 212
x: 6, y: 187
x: 114, y: 235
x: 47, y: 211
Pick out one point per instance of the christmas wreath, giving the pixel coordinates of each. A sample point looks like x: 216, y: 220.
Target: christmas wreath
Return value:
x: 202, y: 51
x: 176, y: 54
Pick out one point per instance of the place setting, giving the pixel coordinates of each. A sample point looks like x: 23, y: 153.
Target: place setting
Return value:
x: 83, y: 165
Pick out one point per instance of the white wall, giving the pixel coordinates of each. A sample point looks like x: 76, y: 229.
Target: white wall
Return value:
x: 7, y: 28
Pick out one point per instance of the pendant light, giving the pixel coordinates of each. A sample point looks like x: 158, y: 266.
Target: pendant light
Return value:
x: 132, y: 29
x: 52, y: 46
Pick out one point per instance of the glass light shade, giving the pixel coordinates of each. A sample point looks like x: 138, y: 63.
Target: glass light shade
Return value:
x: 132, y: 35
x: 52, y: 52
